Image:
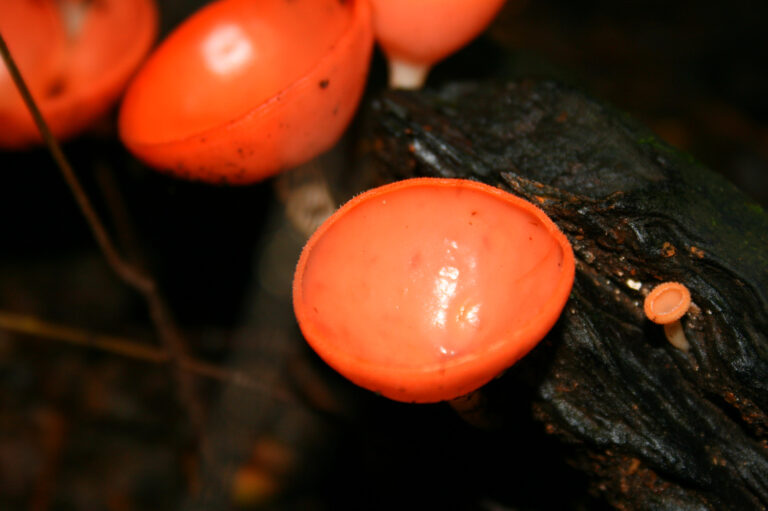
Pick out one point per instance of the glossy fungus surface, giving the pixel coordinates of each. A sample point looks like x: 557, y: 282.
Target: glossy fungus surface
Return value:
x: 667, y: 302
x: 426, y: 31
x: 246, y: 88
x: 75, y: 56
x: 425, y: 289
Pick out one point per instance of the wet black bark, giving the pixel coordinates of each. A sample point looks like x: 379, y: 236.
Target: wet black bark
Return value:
x: 653, y: 427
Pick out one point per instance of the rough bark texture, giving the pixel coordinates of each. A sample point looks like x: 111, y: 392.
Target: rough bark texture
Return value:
x: 653, y: 426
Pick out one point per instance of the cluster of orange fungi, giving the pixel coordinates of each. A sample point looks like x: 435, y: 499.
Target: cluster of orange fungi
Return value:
x: 242, y: 90
x: 422, y: 290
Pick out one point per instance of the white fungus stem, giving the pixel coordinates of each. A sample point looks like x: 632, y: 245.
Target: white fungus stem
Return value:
x: 407, y: 75
x: 676, y: 335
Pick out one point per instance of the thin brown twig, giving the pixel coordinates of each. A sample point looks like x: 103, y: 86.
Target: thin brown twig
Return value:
x: 35, y: 327
x: 167, y: 331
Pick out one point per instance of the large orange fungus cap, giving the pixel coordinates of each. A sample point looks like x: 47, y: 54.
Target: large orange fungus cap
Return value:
x: 425, y: 289
x: 246, y: 88
x: 76, y: 57
x: 419, y: 33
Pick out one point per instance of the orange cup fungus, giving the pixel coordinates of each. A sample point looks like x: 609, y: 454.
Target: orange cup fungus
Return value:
x: 76, y: 57
x: 425, y: 289
x: 246, y: 88
x: 416, y: 34
x: 665, y: 305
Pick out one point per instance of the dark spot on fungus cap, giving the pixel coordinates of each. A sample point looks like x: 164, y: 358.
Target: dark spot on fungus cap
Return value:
x: 444, y: 307
x: 56, y: 87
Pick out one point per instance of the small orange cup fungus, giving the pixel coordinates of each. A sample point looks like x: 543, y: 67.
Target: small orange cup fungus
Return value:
x: 425, y: 289
x: 246, y: 88
x: 75, y: 56
x: 416, y: 34
x: 665, y: 305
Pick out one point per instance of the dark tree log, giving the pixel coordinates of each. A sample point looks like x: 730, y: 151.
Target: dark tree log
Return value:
x: 653, y: 426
